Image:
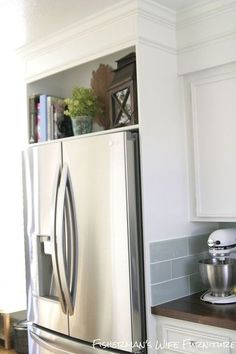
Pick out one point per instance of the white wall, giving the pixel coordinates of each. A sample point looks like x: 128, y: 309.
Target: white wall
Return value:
x: 162, y: 130
x: 12, y: 273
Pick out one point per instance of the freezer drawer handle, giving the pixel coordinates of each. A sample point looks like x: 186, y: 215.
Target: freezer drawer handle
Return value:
x: 48, y: 346
x: 62, y: 237
x: 54, y: 242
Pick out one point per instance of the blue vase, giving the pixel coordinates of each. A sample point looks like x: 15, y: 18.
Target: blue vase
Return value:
x: 82, y: 125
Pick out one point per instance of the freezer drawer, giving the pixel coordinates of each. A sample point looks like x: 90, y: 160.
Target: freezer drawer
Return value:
x: 45, y: 342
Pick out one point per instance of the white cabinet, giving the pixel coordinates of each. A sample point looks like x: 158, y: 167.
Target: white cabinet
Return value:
x: 177, y: 336
x: 211, y: 127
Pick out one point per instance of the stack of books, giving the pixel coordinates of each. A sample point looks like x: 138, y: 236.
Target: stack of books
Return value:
x: 46, y: 117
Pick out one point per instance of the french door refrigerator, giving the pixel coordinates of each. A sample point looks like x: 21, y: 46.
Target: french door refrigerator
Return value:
x: 84, y: 245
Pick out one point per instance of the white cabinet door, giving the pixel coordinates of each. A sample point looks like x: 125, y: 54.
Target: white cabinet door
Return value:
x: 211, y: 122
x: 178, y: 336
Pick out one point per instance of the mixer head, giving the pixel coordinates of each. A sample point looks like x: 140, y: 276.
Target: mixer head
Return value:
x: 222, y: 242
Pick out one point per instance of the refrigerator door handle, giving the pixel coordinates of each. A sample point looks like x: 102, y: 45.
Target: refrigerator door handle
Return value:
x: 55, y: 266
x: 62, y: 236
x: 72, y: 235
x: 48, y: 346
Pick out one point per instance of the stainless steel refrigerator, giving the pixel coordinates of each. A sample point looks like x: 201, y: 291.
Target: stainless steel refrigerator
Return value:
x: 83, y: 232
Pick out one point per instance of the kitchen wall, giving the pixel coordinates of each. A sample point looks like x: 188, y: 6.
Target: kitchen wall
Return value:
x: 205, y: 39
x: 165, y: 188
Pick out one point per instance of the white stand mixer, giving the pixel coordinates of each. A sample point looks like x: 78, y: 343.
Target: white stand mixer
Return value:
x: 219, y: 272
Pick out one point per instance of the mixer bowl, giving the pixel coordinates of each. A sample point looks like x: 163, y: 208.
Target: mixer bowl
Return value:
x: 218, y: 275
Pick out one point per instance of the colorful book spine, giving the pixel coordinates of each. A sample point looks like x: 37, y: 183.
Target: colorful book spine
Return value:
x: 43, y: 118
x: 58, y: 117
x: 33, y: 103
x: 38, y: 137
x: 50, y: 117
x: 56, y: 107
x: 46, y: 117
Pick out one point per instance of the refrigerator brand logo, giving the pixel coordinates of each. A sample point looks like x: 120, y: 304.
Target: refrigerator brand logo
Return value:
x: 122, y: 344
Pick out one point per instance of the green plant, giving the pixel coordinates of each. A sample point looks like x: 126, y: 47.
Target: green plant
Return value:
x: 82, y: 103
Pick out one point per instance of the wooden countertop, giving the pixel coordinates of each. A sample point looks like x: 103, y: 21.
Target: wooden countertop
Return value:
x: 191, y: 308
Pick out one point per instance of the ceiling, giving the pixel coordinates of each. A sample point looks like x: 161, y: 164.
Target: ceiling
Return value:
x: 28, y: 20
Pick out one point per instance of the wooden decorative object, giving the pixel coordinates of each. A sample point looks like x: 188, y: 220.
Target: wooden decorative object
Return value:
x: 100, y: 81
x: 5, y: 334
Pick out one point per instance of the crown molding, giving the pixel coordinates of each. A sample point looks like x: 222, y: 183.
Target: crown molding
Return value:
x: 117, y: 27
x: 93, y: 23
x: 157, y: 45
x: 157, y: 13
x: 206, y: 42
x: 144, y: 21
x: 204, y: 11
x: 206, y: 35
x: 147, y: 9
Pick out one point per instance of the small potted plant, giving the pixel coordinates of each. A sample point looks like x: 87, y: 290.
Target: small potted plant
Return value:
x: 82, y: 107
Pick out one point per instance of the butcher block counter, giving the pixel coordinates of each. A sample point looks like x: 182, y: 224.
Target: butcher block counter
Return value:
x: 191, y: 308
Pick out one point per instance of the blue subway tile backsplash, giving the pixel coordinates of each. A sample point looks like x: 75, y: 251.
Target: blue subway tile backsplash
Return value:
x: 164, y: 250
x: 185, y: 266
x: 174, y: 267
x: 169, y: 290
x: 197, y: 244
x: 161, y: 271
x: 195, y: 283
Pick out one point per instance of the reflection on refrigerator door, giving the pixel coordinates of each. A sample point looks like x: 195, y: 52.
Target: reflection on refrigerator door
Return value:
x: 41, y: 344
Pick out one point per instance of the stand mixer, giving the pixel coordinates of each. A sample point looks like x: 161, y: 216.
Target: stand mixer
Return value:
x: 219, y: 272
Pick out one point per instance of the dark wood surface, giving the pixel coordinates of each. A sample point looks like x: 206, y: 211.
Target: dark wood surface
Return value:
x: 191, y: 308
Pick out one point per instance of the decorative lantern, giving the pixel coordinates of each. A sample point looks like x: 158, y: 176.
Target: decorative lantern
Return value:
x: 122, y: 93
